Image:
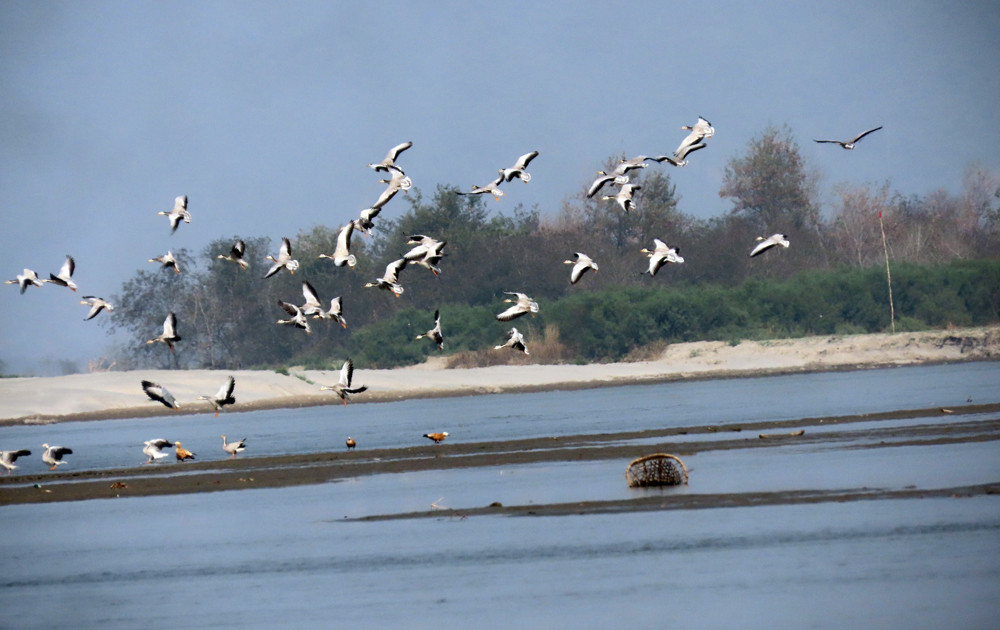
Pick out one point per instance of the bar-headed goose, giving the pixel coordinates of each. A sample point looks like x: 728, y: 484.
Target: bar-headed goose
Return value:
x: 515, y: 342
x: 343, y: 388
x: 522, y: 305
x: 582, y: 263
x: 764, y: 244
x: 518, y: 170
x: 849, y: 144
x: 222, y: 397
x: 391, y: 157
x: 52, y: 455
x: 160, y: 394
x: 169, y: 335
x: 25, y: 279
x: 65, y: 276
x: 236, y: 254
x: 284, y: 259
x: 434, y: 334
x: 178, y: 213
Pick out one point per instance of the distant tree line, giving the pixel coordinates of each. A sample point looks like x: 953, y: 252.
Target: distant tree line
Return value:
x: 943, y: 250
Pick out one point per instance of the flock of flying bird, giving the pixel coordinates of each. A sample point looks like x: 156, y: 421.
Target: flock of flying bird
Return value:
x: 426, y: 252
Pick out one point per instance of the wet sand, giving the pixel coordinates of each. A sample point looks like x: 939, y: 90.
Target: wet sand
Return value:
x: 294, y: 470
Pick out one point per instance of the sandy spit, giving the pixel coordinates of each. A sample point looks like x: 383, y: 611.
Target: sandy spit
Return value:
x: 119, y: 394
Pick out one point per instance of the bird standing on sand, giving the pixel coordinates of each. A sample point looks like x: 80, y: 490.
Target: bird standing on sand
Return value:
x: 582, y: 263
x: 764, y: 244
x: 53, y: 455
x: 96, y: 305
x: 154, y: 449
x: 351, y: 443
x: 222, y: 397
x: 522, y: 305
x: 849, y: 144
x: 343, y: 387
x: 7, y: 458
x: 168, y: 261
x: 514, y: 342
x: 25, y: 279
x: 177, y: 213
x: 182, y: 453
x: 518, y: 170
x: 236, y: 254
x: 434, y: 334
x: 65, y: 276
x: 233, y: 447
x: 283, y: 261
x: 436, y: 437
x: 169, y: 336
x: 157, y: 392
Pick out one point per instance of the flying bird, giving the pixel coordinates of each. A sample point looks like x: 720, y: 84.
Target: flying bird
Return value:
x: 222, y: 397
x: 365, y: 221
x: 492, y: 188
x: 283, y: 261
x: 427, y: 253
x: 606, y: 178
x: 233, y: 447
x: 96, y: 305
x: 298, y: 318
x: 390, y: 279
x: 177, y: 213
x: 391, y: 157
x: 65, y: 276
x: 518, y: 170
x: 522, y: 305
x: 437, y: 438
x: 343, y: 387
x: 434, y: 334
x: 154, y: 449
x: 168, y: 261
x: 660, y: 255
x: 236, y: 254
x: 342, y: 253
x: 700, y: 131
x: 160, y: 394
x: 849, y: 144
x: 169, y: 336
x: 397, y: 180
x: 334, y: 312
x: 53, y: 455
x: 624, y: 197
x: 182, y: 453
x: 514, y: 342
x: 582, y: 263
x: 7, y: 458
x: 26, y: 279
x: 764, y: 244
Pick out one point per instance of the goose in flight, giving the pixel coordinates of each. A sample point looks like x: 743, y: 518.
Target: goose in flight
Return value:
x: 700, y: 131
x: 7, y: 458
x: 233, y: 447
x: 168, y: 261
x: 169, y: 336
x: 342, y: 253
x: 343, y: 387
x: 849, y: 144
x: 514, y: 342
x: 315, y: 308
x: 660, y: 255
x: 434, y: 334
x: 182, y: 453
x: 65, y: 276
x: 518, y: 170
x: 764, y: 244
x: 154, y: 449
x: 96, y: 305
x: 160, y: 394
x: 605, y: 178
x: 582, y: 263
x: 365, y: 221
x: 177, y: 213
x: 492, y: 188
x: 25, y: 279
x: 624, y: 196
x: 222, y: 397
x: 334, y: 312
x: 522, y: 305
x: 53, y: 455
x: 391, y: 157
x: 426, y: 253
x: 390, y: 279
x: 298, y: 318
x: 397, y: 180
x: 236, y: 254
x: 283, y: 261
x: 437, y: 438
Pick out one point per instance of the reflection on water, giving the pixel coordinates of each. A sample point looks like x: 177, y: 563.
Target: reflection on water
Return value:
x: 287, y: 558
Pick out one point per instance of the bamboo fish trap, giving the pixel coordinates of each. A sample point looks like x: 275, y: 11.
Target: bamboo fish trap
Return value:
x: 659, y: 469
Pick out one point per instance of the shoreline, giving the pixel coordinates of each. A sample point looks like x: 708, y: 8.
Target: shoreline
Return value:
x: 118, y: 395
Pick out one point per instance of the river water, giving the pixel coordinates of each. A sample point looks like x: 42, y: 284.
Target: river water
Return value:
x: 287, y: 557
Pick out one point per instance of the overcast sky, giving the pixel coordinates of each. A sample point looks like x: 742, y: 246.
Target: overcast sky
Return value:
x: 265, y: 114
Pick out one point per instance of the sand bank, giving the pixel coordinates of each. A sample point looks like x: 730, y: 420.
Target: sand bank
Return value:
x: 118, y: 394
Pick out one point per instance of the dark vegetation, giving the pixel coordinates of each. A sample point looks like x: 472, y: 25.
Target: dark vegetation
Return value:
x: 942, y: 249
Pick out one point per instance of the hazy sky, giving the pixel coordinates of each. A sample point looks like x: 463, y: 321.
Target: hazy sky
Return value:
x: 265, y: 114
